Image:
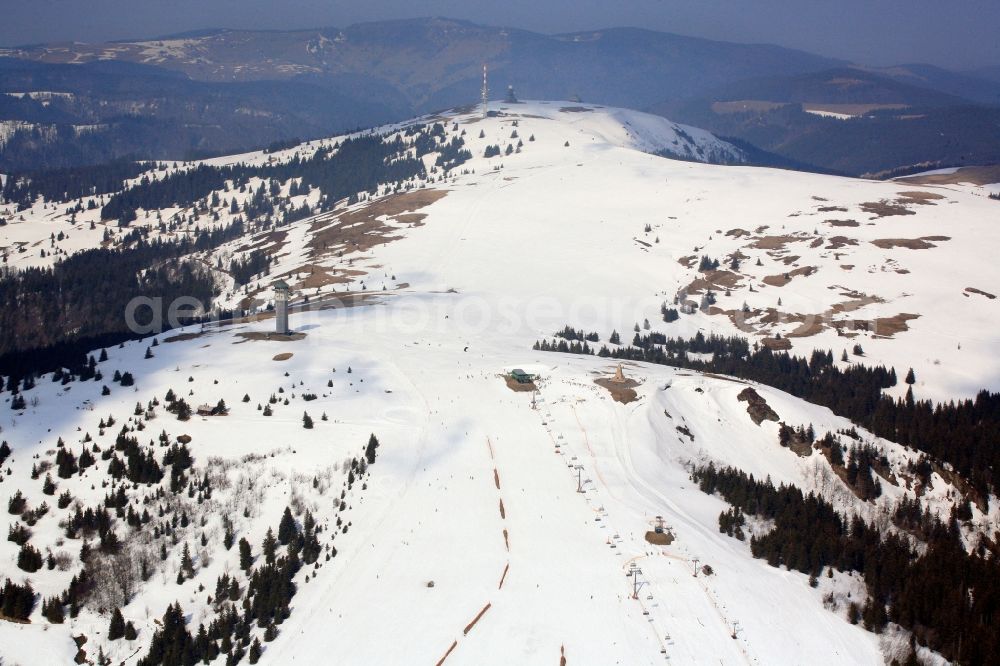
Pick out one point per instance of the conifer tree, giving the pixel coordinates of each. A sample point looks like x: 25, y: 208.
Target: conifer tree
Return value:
x: 29, y: 559
x: 116, y: 628
x: 255, y: 651
x: 270, y: 546
x: 187, y: 565
x: 130, y: 633
x: 370, y: 449
x: 286, y: 528
x: 52, y: 609
x: 246, y: 559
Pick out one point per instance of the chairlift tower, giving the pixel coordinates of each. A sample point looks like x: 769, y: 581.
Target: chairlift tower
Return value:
x: 580, y: 481
x: 637, y: 583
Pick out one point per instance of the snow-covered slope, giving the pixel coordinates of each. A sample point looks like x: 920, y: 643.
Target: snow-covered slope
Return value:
x: 825, y: 262
x: 473, y: 490
x: 469, y: 541
x: 599, y: 235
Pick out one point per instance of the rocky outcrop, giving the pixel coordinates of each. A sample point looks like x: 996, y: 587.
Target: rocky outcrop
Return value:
x: 757, y: 407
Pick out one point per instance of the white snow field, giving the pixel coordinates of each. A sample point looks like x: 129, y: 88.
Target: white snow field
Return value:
x: 432, y: 510
x: 469, y: 542
x: 560, y: 233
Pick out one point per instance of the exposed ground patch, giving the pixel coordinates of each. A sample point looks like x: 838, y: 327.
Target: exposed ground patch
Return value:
x: 361, y: 229
x: 885, y: 208
x: 664, y: 538
x: 777, y: 344
x: 274, y: 337
x: 717, y: 280
x: 898, y: 206
x: 882, y: 327
x: 777, y: 242
x: 623, y: 392
x: 838, y: 242
x: 517, y: 387
x: 272, y: 242
x: 189, y: 336
x: 784, y: 278
x: 973, y: 290
x: 920, y: 197
x: 757, y: 407
x: 924, y: 243
x: 321, y: 276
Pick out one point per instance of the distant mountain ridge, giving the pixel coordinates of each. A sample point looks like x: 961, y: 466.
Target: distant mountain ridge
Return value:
x: 231, y: 89
x: 850, y: 120
x: 436, y: 62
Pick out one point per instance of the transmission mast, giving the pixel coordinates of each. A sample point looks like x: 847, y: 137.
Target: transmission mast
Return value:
x: 486, y: 92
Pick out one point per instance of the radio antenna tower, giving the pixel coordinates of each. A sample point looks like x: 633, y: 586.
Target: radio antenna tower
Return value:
x: 486, y: 92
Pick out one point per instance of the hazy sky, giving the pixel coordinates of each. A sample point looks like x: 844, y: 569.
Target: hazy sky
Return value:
x: 959, y: 33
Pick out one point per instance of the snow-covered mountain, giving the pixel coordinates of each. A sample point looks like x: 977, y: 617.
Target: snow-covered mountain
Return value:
x: 493, y: 525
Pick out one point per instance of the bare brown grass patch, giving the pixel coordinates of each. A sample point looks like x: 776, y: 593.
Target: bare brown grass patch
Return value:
x: 777, y: 344
x: 623, y: 392
x: 785, y: 278
x: 838, y: 242
x: 183, y: 337
x: 717, y: 280
x: 776, y: 242
x: 924, y: 243
x: 360, y: 229
x: 885, y: 208
x: 973, y: 290
x: 920, y: 197
x: 517, y: 387
x: 664, y: 538
x: 258, y: 336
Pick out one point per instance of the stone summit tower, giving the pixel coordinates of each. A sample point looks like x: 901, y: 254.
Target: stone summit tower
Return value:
x: 281, y: 307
